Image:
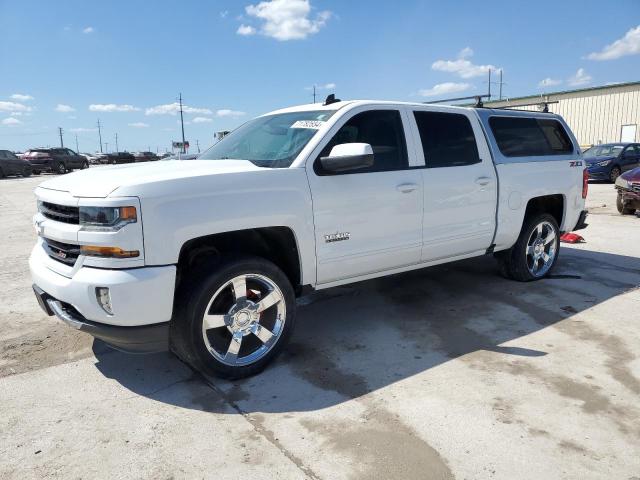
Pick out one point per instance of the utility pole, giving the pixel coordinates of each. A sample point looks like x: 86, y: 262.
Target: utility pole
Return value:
x: 489, y: 83
x: 106, y: 147
x: 182, y: 124
x: 77, y: 148
x: 198, y: 145
x: 100, y: 135
x: 500, y: 96
x: 314, y: 94
x: 61, y: 142
x: 117, y: 143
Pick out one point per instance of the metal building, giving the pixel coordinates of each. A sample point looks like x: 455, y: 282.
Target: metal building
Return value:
x: 610, y: 113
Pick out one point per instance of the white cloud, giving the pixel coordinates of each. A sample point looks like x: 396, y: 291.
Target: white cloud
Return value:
x: 462, y: 66
x: 245, y: 30
x: 82, y: 130
x: 284, y: 19
x: 446, y: 88
x: 580, y: 78
x: 61, y: 107
x: 88, y: 30
x: 549, y: 82
x: 627, y: 45
x: 229, y: 113
x: 174, y: 108
x: 326, y: 86
x: 112, y: 107
x: 11, y: 121
x: 202, y: 120
x: 224, y: 13
x: 14, y: 107
x: 21, y: 97
x: 138, y: 125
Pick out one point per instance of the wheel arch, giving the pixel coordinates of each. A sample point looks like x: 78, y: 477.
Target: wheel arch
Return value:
x: 553, y: 204
x: 278, y: 244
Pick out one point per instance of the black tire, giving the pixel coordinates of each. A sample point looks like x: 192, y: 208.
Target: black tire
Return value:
x: 36, y: 172
x: 614, y: 174
x: 514, y: 263
x: 622, y: 209
x: 26, y: 172
x: 1, y: 173
x: 85, y: 165
x: 113, y: 162
x: 193, y: 297
x: 60, y: 168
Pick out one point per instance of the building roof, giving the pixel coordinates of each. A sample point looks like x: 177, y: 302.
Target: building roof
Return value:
x: 564, y: 92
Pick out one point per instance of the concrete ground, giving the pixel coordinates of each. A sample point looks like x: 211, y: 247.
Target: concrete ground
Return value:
x: 449, y: 372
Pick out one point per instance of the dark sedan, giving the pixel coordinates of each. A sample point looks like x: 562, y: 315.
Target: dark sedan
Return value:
x: 608, y: 161
x: 10, y: 164
x: 628, y: 187
x: 56, y: 160
x: 120, y: 157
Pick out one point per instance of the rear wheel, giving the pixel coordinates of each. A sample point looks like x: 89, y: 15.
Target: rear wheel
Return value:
x: 26, y: 172
x: 615, y: 173
x: 622, y: 209
x: 535, y: 252
x: 234, y: 317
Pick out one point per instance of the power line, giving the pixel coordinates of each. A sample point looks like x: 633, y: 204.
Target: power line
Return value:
x: 61, y: 142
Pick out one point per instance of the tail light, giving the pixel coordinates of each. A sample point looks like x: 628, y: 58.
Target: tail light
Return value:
x: 585, y: 183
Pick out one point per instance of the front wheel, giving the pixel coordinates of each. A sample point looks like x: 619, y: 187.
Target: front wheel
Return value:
x: 234, y: 317
x: 61, y: 168
x: 26, y: 172
x: 535, y: 252
x: 615, y: 173
x: 621, y: 208
x: 85, y: 165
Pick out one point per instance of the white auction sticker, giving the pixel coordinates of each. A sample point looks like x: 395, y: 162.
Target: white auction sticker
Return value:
x: 314, y: 124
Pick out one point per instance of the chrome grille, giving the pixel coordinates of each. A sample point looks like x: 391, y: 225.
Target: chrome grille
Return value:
x: 60, y: 213
x: 66, y: 253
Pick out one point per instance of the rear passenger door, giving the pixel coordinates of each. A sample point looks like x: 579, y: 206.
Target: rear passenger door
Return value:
x: 368, y: 220
x: 460, y: 187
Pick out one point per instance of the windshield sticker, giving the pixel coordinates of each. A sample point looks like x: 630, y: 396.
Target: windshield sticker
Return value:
x: 314, y: 124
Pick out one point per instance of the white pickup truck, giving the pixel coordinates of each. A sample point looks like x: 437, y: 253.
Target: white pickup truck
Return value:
x: 206, y: 256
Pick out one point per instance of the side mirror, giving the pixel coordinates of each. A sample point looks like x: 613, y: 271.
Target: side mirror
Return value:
x: 348, y: 156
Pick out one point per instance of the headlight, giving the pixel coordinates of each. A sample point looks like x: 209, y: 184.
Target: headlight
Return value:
x: 622, y: 183
x: 106, y: 219
x: 603, y: 163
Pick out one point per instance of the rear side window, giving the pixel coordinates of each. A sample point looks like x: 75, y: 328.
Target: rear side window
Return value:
x: 447, y: 139
x: 530, y: 137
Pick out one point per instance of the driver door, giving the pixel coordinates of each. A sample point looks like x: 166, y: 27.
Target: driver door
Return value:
x: 368, y: 220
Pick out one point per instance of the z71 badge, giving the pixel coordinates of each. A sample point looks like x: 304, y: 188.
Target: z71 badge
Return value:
x: 337, y: 237
x: 575, y: 163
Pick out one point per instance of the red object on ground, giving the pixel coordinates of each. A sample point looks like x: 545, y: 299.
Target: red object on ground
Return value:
x: 571, y: 238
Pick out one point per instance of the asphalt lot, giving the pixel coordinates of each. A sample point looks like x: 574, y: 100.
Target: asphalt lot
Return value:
x: 448, y: 372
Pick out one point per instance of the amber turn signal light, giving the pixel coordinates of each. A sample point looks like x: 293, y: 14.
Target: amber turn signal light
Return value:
x: 108, y: 252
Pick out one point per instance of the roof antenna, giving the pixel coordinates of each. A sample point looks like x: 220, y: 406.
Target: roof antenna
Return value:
x: 331, y: 98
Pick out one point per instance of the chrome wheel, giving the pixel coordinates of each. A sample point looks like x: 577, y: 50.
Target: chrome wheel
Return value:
x: 541, y: 249
x: 244, y: 319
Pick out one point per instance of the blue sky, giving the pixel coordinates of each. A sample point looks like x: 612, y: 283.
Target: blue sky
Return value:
x: 125, y: 62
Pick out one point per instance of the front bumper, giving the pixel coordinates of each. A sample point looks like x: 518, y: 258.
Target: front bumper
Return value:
x: 141, y: 298
x: 140, y: 339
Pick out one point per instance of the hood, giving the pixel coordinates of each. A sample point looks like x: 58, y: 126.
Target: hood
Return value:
x: 592, y: 161
x: 99, y: 182
x: 632, y: 175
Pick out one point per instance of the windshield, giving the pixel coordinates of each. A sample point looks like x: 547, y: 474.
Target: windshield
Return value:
x: 271, y: 141
x: 603, y: 151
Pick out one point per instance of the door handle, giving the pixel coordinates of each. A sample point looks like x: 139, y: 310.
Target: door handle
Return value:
x: 406, y: 187
x: 483, y: 181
